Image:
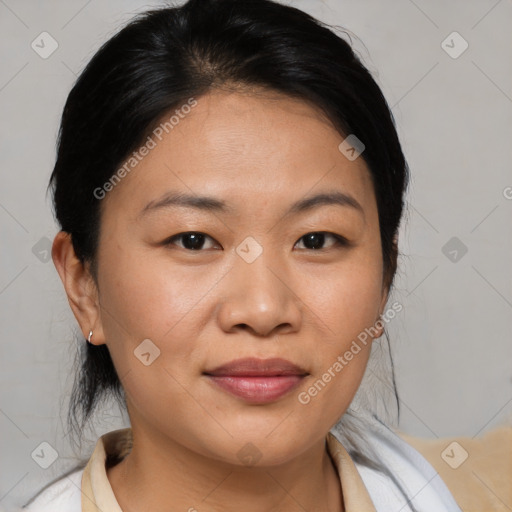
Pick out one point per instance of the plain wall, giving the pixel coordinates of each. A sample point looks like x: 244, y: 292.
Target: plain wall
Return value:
x: 452, y: 341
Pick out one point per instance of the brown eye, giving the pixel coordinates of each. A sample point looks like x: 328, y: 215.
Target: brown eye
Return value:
x: 314, y: 241
x: 191, y: 240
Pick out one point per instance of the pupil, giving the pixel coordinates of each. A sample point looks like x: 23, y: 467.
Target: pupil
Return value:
x: 196, y: 241
x: 316, y: 240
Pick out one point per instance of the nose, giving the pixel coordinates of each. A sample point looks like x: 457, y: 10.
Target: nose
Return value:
x: 259, y: 297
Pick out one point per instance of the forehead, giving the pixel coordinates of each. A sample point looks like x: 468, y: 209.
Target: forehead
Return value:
x: 245, y: 147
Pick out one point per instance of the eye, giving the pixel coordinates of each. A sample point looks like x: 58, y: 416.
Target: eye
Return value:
x: 192, y: 240
x: 315, y: 240
x: 195, y: 240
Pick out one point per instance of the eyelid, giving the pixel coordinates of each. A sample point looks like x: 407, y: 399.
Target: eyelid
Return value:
x: 340, y: 241
x: 170, y: 239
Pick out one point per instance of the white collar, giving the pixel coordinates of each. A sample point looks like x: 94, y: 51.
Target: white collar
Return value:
x: 422, y: 485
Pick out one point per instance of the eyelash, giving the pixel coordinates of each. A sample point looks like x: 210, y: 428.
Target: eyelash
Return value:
x: 340, y: 241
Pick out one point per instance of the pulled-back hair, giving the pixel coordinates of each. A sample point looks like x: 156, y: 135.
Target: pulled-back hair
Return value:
x: 160, y: 60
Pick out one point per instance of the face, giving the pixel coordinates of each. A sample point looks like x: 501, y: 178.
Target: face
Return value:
x: 256, y: 272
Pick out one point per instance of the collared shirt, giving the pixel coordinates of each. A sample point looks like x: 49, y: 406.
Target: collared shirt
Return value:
x: 364, y: 489
x: 98, y: 496
x: 90, y: 488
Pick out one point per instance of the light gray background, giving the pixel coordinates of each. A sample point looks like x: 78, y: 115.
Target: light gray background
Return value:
x: 452, y: 341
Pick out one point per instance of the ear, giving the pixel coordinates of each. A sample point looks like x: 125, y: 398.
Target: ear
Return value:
x: 80, y: 287
x: 386, y: 285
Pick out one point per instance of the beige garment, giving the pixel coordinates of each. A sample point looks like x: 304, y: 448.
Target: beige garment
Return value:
x: 98, y: 496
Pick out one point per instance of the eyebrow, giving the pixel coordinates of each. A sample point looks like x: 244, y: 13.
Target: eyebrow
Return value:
x: 212, y: 204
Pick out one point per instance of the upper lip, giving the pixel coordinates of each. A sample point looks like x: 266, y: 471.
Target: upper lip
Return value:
x: 252, y: 366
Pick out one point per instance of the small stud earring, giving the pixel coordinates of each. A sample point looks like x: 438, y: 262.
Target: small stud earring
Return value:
x: 89, y: 337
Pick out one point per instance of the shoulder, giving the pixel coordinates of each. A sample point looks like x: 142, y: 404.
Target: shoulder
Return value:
x: 477, y: 471
x: 62, y: 495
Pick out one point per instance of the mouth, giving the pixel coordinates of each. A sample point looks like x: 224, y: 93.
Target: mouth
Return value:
x: 257, y: 381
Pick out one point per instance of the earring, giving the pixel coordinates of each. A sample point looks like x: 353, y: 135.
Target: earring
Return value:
x: 89, y: 337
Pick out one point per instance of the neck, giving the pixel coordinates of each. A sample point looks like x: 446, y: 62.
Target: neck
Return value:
x: 158, y: 472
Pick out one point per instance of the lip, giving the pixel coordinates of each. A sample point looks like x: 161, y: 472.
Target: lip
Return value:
x: 257, y: 380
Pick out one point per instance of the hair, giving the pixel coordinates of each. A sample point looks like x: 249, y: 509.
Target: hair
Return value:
x: 166, y: 56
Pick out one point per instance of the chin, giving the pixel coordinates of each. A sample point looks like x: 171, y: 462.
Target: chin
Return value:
x: 260, y: 448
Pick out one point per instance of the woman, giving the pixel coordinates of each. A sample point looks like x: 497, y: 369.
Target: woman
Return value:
x: 229, y: 185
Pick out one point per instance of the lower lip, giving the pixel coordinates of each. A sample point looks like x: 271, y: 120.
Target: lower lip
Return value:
x: 257, y: 389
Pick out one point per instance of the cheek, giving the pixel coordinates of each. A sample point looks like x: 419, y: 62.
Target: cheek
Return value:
x: 347, y: 298
x: 142, y: 299
x: 145, y: 299
x: 330, y: 391
x: 347, y: 305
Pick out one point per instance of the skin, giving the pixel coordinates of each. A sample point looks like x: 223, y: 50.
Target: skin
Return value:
x: 259, y: 153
